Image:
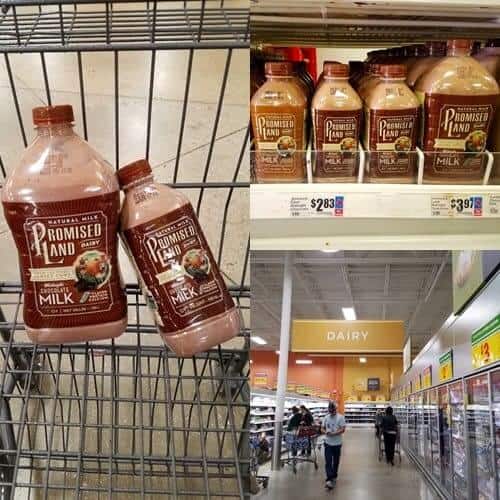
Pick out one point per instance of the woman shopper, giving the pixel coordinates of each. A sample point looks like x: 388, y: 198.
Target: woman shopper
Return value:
x: 333, y: 427
x: 307, y: 421
x: 390, y: 431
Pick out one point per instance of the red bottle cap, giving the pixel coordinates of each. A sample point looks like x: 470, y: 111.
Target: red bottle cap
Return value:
x: 282, y: 68
x: 47, y: 115
x: 336, y: 70
x: 393, y: 71
x: 133, y: 172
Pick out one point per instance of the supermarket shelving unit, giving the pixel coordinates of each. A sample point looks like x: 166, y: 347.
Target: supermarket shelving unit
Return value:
x: 362, y: 413
x: 126, y: 418
x: 372, y: 216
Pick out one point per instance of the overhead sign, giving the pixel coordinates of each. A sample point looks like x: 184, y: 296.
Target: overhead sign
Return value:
x: 486, y: 344
x: 347, y: 336
x: 260, y: 379
x: 427, y: 378
x: 470, y: 269
x: 446, y: 366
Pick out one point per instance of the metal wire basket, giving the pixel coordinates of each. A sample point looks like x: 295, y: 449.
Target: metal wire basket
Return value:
x: 127, y: 418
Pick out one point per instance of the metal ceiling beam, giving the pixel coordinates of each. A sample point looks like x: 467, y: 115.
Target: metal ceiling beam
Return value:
x: 318, y: 258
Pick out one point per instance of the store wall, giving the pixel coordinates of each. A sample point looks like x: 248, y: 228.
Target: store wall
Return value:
x: 340, y: 375
x: 456, y: 334
x: 356, y: 374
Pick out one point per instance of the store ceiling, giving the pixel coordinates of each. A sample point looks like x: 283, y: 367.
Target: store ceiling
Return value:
x: 415, y: 287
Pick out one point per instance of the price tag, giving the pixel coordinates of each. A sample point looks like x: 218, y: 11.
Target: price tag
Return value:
x: 486, y: 344
x: 456, y: 205
x: 317, y: 205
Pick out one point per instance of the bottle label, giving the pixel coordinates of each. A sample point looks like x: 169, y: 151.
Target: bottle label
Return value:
x: 280, y: 142
x: 178, y: 269
x: 457, y: 127
x: 392, y: 134
x: 336, y: 136
x: 69, y: 263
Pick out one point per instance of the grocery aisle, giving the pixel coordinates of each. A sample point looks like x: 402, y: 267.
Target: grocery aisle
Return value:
x: 361, y: 475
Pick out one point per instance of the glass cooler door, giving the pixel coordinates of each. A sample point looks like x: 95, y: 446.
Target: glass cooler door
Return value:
x: 421, y: 438
x: 412, y: 425
x: 480, y: 438
x: 427, y: 430
x: 458, y: 444
x: 495, y: 397
x: 435, y: 433
x: 444, y: 417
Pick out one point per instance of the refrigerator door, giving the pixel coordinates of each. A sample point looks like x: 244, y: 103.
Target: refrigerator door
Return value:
x: 435, y: 434
x: 458, y: 443
x: 480, y: 444
x: 421, y: 429
x: 444, y: 416
x: 495, y: 397
x: 412, y: 425
x: 427, y: 430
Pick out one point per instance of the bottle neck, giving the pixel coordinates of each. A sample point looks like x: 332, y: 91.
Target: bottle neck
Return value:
x: 139, y: 183
x: 55, y: 129
x: 391, y: 79
x: 279, y: 77
x: 341, y: 79
x: 457, y: 52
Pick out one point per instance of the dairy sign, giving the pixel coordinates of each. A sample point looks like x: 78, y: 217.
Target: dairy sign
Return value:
x: 347, y: 336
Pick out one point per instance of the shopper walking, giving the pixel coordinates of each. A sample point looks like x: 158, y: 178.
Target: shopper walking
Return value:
x: 333, y: 427
x: 307, y: 421
x: 390, y: 431
x: 293, y: 426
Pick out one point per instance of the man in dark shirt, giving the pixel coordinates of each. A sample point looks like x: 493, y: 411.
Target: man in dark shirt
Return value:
x: 295, y: 419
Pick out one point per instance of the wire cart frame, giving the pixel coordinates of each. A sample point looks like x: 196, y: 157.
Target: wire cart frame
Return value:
x: 127, y: 418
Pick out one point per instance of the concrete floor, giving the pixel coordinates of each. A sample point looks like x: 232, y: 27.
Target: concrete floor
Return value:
x: 361, y: 476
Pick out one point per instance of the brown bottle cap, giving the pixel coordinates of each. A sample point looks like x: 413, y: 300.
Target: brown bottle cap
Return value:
x: 375, y: 68
x: 133, y: 172
x: 47, y: 115
x: 281, y: 68
x: 460, y: 44
x: 336, y: 70
x: 393, y: 71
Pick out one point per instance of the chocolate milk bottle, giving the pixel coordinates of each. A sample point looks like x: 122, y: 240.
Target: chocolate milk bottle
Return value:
x: 370, y: 81
x: 179, y: 276
x: 489, y: 58
x: 278, y: 113
x: 391, y: 123
x: 62, y: 205
x: 436, y: 51
x: 336, y: 114
x: 458, y: 97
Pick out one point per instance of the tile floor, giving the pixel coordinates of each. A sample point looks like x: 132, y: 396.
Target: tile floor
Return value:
x: 361, y: 476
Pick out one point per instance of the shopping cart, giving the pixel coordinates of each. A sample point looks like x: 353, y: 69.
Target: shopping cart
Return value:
x: 127, y: 418
x: 300, y: 446
x: 381, y: 448
x: 256, y: 460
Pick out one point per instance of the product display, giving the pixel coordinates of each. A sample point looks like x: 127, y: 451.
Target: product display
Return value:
x: 336, y: 115
x: 391, y: 120
x: 62, y: 205
x: 180, y: 277
x: 278, y: 113
x: 455, y: 427
x: 363, y: 413
x: 458, y: 98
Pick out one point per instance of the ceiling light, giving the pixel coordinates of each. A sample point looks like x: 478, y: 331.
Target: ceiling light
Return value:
x: 251, y: 361
x: 304, y: 362
x: 349, y: 313
x: 330, y: 250
x: 362, y: 360
x: 277, y: 352
x: 258, y: 340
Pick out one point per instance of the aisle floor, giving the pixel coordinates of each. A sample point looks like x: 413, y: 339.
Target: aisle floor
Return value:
x: 361, y: 476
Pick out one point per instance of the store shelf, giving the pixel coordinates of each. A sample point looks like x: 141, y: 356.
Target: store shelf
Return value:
x: 60, y: 25
x: 370, y: 23
x: 389, y: 216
